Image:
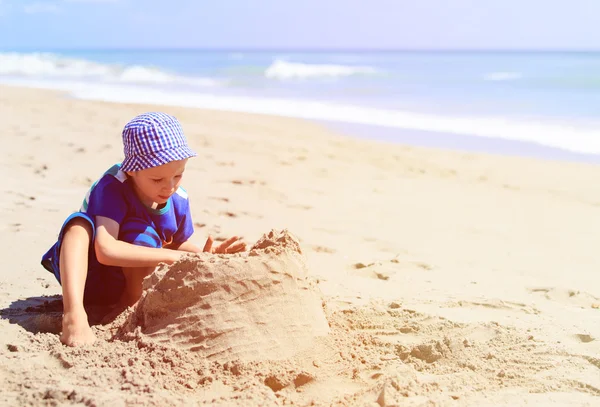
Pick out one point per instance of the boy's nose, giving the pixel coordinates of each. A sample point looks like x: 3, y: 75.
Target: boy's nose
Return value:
x: 167, y: 186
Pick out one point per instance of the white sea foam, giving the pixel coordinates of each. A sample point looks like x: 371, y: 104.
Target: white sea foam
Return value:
x: 48, y: 65
x: 567, y: 136
x: 502, y: 76
x: 281, y: 69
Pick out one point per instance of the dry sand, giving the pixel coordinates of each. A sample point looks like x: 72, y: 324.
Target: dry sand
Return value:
x: 419, y: 277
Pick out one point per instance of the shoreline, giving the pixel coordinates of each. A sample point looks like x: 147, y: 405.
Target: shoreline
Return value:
x: 382, y: 136
x: 461, y: 142
x: 385, y: 126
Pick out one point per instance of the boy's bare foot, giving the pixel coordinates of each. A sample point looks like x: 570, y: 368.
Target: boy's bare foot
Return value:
x: 76, y: 329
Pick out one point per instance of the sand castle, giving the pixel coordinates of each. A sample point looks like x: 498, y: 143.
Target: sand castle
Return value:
x: 260, y: 305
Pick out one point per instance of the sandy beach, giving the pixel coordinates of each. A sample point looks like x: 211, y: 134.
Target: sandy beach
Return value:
x: 442, y: 278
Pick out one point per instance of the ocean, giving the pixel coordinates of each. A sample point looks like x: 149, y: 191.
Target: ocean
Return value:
x: 528, y: 103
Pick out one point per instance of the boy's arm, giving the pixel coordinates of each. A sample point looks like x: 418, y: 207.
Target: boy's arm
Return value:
x: 185, y: 247
x: 112, y: 252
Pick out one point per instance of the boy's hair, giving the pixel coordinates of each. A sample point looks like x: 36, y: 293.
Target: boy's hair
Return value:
x: 152, y: 139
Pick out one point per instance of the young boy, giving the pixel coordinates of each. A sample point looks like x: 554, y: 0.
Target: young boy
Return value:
x: 133, y: 218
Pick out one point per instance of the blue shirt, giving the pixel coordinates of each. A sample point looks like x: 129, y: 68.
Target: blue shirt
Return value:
x: 113, y: 197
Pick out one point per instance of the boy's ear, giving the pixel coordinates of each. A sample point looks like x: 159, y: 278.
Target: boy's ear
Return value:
x: 129, y: 173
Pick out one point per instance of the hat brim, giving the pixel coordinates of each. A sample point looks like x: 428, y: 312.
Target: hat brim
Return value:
x: 143, y: 162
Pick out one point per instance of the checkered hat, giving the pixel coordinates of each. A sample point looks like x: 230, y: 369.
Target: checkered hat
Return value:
x: 153, y: 139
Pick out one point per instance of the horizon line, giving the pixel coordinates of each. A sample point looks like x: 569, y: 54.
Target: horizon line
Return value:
x: 298, y: 49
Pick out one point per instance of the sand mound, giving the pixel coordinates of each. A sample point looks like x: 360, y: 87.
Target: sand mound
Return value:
x: 261, y: 305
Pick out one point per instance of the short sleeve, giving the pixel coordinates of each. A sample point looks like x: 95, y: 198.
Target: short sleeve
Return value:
x: 107, y: 199
x: 185, y: 226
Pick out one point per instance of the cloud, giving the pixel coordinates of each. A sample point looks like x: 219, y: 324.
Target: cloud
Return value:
x: 35, y: 8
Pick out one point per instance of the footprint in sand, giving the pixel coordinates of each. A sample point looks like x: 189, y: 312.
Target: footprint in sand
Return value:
x: 585, y: 338
x: 218, y: 198
x: 230, y: 214
x: 377, y: 270
x: 300, y: 206
x: 323, y: 249
x: 592, y: 360
x: 83, y: 180
x: 248, y: 182
x: 566, y: 296
x: 44, y: 283
x: 225, y: 164
x: 384, y: 270
x: 497, y: 304
x: 41, y: 170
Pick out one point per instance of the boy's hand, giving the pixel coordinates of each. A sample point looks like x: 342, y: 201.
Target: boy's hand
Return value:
x: 173, y: 256
x: 227, y: 246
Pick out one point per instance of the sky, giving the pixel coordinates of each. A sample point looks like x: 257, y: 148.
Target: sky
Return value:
x: 301, y: 24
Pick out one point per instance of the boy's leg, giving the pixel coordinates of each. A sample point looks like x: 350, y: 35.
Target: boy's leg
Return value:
x: 73, y: 273
x: 133, y: 283
x: 138, y: 232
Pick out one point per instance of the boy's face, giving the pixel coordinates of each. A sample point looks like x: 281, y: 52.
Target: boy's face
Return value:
x: 157, y: 184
